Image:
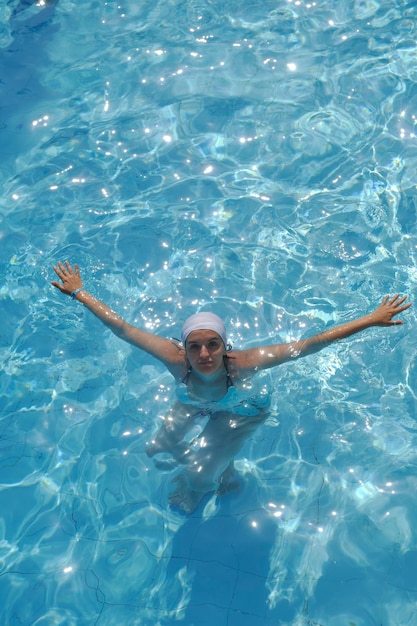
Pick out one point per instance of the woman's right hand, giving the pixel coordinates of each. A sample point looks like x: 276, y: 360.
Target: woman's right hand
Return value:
x: 389, y: 307
x: 70, y: 278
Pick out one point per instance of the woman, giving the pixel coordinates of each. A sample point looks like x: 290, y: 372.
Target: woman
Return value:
x: 215, y: 387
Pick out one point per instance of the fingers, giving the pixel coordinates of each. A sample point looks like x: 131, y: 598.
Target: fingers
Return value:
x: 57, y: 285
x: 69, y: 268
x: 400, y: 307
x: 396, y: 302
x: 59, y: 269
x: 62, y: 270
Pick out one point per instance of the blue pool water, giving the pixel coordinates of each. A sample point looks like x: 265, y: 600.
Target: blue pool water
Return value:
x: 258, y: 158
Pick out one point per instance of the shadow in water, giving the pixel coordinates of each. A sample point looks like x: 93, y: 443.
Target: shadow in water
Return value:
x: 225, y: 561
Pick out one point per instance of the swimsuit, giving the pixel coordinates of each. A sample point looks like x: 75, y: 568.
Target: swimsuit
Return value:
x: 249, y: 401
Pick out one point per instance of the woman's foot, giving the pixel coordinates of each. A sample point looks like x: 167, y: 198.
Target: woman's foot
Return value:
x: 183, y: 497
x: 230, y: 480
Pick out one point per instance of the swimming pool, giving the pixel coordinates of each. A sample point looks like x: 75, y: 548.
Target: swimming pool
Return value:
x: 256, y: 157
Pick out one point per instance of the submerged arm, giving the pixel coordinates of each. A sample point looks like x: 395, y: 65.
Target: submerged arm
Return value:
x: 159, y: 347
x: 269, y: 356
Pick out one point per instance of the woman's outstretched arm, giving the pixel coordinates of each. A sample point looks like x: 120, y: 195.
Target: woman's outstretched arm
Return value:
x: 269, y: 356
x: 71, y: 284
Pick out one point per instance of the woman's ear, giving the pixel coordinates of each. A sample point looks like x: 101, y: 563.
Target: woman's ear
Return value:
x: 187, y: 371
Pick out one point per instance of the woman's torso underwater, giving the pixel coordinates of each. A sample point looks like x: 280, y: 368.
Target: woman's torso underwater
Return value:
x: 247, y: 399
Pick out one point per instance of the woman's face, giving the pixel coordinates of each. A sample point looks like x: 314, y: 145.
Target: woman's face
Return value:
x: 205, y: 351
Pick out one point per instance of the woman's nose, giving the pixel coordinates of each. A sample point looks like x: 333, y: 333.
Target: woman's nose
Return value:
x: 204, y: 351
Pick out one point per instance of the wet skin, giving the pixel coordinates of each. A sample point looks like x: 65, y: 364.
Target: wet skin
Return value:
x: 208, y: 460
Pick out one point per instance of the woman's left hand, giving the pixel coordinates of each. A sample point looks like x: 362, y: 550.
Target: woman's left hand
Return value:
x: 389, y: 307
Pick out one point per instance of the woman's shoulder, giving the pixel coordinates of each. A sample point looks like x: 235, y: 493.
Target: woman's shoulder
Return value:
x: 174, y: 358
x: 240, y: 364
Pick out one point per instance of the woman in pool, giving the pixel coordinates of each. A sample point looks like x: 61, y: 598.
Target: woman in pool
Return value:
x: 215, y: 390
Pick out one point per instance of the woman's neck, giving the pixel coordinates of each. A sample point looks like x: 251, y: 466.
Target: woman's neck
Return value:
x: 209, y: 388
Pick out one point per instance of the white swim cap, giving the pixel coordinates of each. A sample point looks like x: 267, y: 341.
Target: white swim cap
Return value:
x: 203, y: 321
